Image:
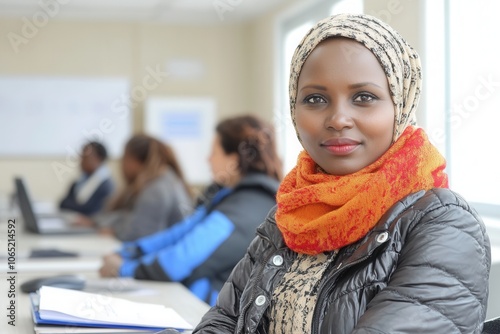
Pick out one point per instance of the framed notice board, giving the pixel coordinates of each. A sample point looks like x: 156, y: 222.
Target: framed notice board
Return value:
x: 55, y: 116
x: 188, y: 125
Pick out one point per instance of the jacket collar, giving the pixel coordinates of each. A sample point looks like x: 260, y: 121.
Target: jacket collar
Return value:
x: 250, y: 181
x: 378, y: 236
x: 259, y: 180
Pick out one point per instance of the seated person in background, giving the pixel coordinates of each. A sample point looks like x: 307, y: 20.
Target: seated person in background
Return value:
x: 201, y: 250
x: 155, y: 195
x: 88, y: 194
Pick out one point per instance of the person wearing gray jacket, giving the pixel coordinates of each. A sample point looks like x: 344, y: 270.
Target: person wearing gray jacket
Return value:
x: 155, y: 195
x: 366, y: 237
x: 201, y: 250
x: 163, y: 202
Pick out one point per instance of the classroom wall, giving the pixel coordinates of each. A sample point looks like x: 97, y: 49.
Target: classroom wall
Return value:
x: 262, y: 75
x: 407, y: 17
x: 66, y: 48
x: 238, y: 60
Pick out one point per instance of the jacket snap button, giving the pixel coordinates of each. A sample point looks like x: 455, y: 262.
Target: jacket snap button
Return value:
x: 382, y: 237
x: 261, y: 300
x: 278, y: 260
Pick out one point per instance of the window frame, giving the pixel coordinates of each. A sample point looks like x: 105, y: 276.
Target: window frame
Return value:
x: 484, y: 209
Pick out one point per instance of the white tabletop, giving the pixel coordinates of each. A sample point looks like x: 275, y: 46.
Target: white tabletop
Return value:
x: 89, y: 247
x: 173, y: 295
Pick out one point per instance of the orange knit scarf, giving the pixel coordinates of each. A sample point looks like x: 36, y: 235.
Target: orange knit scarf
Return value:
x: 319, y: 212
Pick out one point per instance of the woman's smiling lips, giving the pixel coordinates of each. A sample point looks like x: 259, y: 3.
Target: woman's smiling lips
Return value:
x: 340, y: 146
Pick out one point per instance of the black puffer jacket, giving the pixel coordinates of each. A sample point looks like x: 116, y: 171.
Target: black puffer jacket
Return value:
x: 423, y: 269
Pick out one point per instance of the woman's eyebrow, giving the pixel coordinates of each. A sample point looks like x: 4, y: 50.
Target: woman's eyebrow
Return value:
x: 319, y: 87
x: 363, y: 84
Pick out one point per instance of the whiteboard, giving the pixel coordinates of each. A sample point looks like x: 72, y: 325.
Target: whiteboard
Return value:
x: 55, y: 116
x: 188, y: 125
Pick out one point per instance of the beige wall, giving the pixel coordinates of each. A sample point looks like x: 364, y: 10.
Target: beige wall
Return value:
x: 125, y: 49
x: 239, y: 62
x: 263, y: 51
x: 407, y: 17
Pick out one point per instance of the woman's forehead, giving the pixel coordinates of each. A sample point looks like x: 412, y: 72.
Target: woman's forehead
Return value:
x: 342, y: 59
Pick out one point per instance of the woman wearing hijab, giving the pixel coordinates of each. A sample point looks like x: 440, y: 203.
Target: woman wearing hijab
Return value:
x: 366, y: 236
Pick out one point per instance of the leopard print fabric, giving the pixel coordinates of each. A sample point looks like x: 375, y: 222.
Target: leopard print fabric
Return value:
x: 294, y: 299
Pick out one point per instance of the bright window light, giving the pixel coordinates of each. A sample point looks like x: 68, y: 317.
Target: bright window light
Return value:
x: 291, y: 146
x: 348, y: 6
x: 462, y: 93
x: 474, y: 157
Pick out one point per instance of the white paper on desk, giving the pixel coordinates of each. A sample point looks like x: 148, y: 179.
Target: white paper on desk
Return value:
x: 88, y: 330
x: 76, y: 306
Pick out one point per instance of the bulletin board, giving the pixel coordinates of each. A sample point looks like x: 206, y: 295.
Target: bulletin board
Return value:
x: 188, y: 125
x: 54, y: 116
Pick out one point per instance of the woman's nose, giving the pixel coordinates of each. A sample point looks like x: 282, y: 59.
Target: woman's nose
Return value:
x: 338, y: 118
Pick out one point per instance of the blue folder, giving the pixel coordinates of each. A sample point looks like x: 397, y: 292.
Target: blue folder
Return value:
x: 35, y: 302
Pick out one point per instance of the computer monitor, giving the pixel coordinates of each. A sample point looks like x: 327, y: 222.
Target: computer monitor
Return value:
x: 23, y: 198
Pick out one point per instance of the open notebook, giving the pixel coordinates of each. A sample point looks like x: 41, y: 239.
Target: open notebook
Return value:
x: 64, y: 307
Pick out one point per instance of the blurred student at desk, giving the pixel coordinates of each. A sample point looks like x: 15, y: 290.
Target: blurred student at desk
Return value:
x: 155, y: 195
x: 89, y: 193
x: 201, y: 250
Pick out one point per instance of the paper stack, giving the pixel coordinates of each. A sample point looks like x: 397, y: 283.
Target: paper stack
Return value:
x: 95, y: 313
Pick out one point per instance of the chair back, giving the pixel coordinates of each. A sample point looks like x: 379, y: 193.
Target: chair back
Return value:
x: 492, y: 326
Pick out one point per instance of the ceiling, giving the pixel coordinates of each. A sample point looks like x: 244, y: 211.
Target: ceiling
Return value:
x: 169, y: 11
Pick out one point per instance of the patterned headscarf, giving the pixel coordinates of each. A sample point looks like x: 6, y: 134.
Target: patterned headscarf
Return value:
x: 399, y: 61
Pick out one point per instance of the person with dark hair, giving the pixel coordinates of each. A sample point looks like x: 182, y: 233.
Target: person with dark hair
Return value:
x: 201, y: 250
x: 155, y: 195
x: 89, y: 193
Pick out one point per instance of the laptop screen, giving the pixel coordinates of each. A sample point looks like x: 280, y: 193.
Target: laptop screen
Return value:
x: 29, y: 218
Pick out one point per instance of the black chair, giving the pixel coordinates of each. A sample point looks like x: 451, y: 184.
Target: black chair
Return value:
x: 492, y: 326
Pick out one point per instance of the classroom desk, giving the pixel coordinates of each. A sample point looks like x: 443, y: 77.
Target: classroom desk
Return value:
x: 89, y: 244
x: 173, y: 295
x: 84, y: 244
x: 89, y: 247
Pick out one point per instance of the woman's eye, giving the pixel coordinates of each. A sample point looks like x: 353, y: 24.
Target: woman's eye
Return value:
x: 364, y: 98
x: 314, y: 99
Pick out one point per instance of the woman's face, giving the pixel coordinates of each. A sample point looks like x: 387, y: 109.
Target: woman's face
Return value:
x: 224, y: 166
x: 131, y: 167
x: 344, y: 111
